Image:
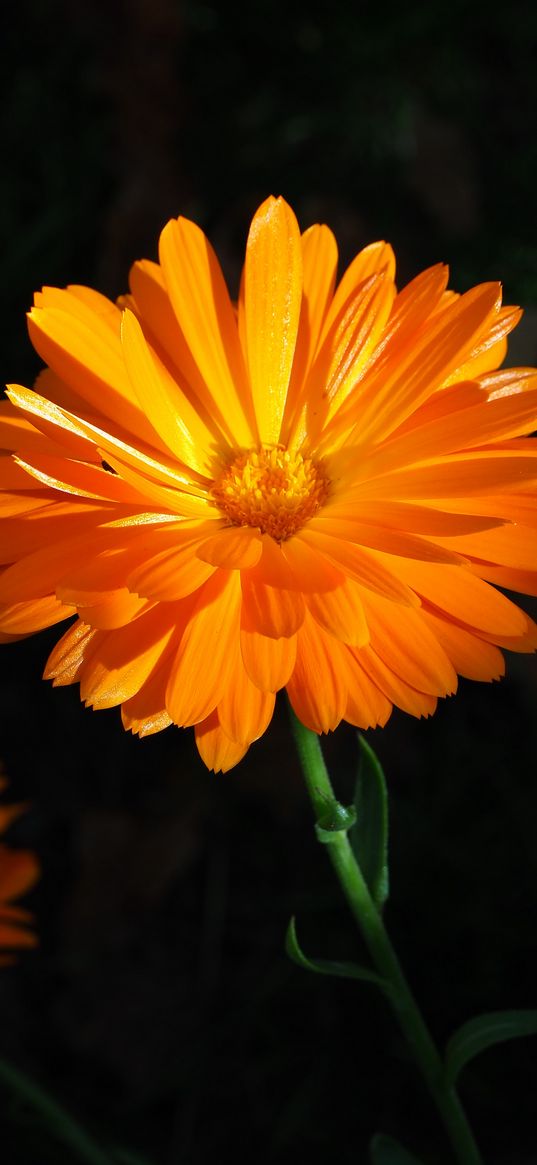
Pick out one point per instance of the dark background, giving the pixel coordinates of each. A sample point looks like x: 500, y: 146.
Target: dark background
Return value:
x: 160, y: 1006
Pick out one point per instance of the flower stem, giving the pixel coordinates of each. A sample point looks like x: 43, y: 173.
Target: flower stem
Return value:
x: 56, y: 1118
x: 366, y: 914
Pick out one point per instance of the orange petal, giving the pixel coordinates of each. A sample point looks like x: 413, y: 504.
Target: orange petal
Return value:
x: 341, y: 612
x: 234, y: 548
x: 82, y: 349
x: 25, y: 618
x: 381, y: 538
x: 319, y: 265
x: 470, y: 656
x: 36, y: 574
x: 492, y: 420
x: 170, y: 574
x: 342, y: 357
x: 467, y: 599
x: 367, y: 706
x: 273, y: 292
x: 311, y: 571
x: 80, y: 479
x: 216, y: 749
x: 124, y: 659
x: 413, y: 518
x: 409, y: 648
x: 524, y: 581
x: 18, y: 434
x: 384, y: 401
x: 511, y: 546
x: 365, y: 566
x: 116, y: 609
x: 393, y: 687
x: 160, y: 326
x: 317, y: 690
x: 145, y: 713
x: 71, y: 651
x: 372, y: 260
x: 490, y: 351
x: 167, y: 408
x: 201, y: 302
x: 507, y: 382
x: 271, y: 611
x: 466, y: 476
x: 268, y: 662
x: 200, y: 671
x: 244, y: 711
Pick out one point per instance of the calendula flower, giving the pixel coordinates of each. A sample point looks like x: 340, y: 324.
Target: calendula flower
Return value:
x: 19, y: 872
x: 318, y: 489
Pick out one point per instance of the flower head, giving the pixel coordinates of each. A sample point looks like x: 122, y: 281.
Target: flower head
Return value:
x: 19, y: 872
x: 319, y: 489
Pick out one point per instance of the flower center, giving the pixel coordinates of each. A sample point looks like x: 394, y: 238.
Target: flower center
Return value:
x: 271, y: 489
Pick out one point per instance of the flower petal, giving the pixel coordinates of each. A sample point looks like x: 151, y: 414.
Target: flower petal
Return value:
x: 234, y: 548
x: 273, y: 292
x: 244, y: 711
x: 203, y: 662
x: 201, y: 302
x: 125, y: 658
x: 216, y: 749
x: 268, y: 662
x: 365, y: 566
x: 317, y: 689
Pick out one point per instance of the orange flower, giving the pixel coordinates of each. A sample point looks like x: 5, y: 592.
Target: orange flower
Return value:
x: 19, y: 872
x: 318, y: 490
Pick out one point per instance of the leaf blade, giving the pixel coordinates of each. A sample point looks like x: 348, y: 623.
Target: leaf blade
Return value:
x: 336, y: 968
x: 482, y: 1032
x: 369, y: 834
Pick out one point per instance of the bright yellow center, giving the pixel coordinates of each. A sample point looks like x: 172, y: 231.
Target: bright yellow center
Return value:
x: 272, y: 490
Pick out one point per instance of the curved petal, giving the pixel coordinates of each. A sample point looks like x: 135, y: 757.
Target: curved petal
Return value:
x: 471, y: 657
x: 464, y: 597
x: 367, y: 567
x: 319, y: 265
x: 341, y: 613
x: 268, y: 662
x: 244, y: 711
x: 201, y: 302
x: 124, y: 659
x: 234, y: 548
x: 409, y: 647
x: 20, y: 619
x: 317, y: 688
x: 200, y: 672
x: 166, y: 407
x: 82, y: 349
x: 216, y: 749
x: 401, y: 694
x: 273, y: 293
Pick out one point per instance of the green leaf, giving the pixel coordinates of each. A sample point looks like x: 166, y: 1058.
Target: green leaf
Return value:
x: 482, y: 1032
x: 342, y: 970
x: 369, y: 835
x: 385, y: 1151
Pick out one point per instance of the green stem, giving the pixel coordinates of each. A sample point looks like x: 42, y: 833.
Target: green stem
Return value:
x: 380, y: 948
x: 59, y: 1122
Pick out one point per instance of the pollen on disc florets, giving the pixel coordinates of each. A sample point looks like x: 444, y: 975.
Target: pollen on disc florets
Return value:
x: 272, y: 490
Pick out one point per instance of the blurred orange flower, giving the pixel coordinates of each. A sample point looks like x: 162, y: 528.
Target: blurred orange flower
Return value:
x: 19, y: 872
x: 317, y: 489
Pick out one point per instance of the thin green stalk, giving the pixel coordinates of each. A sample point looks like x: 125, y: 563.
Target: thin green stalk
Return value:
x: 364, y: 910
x: 58, y: 1121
